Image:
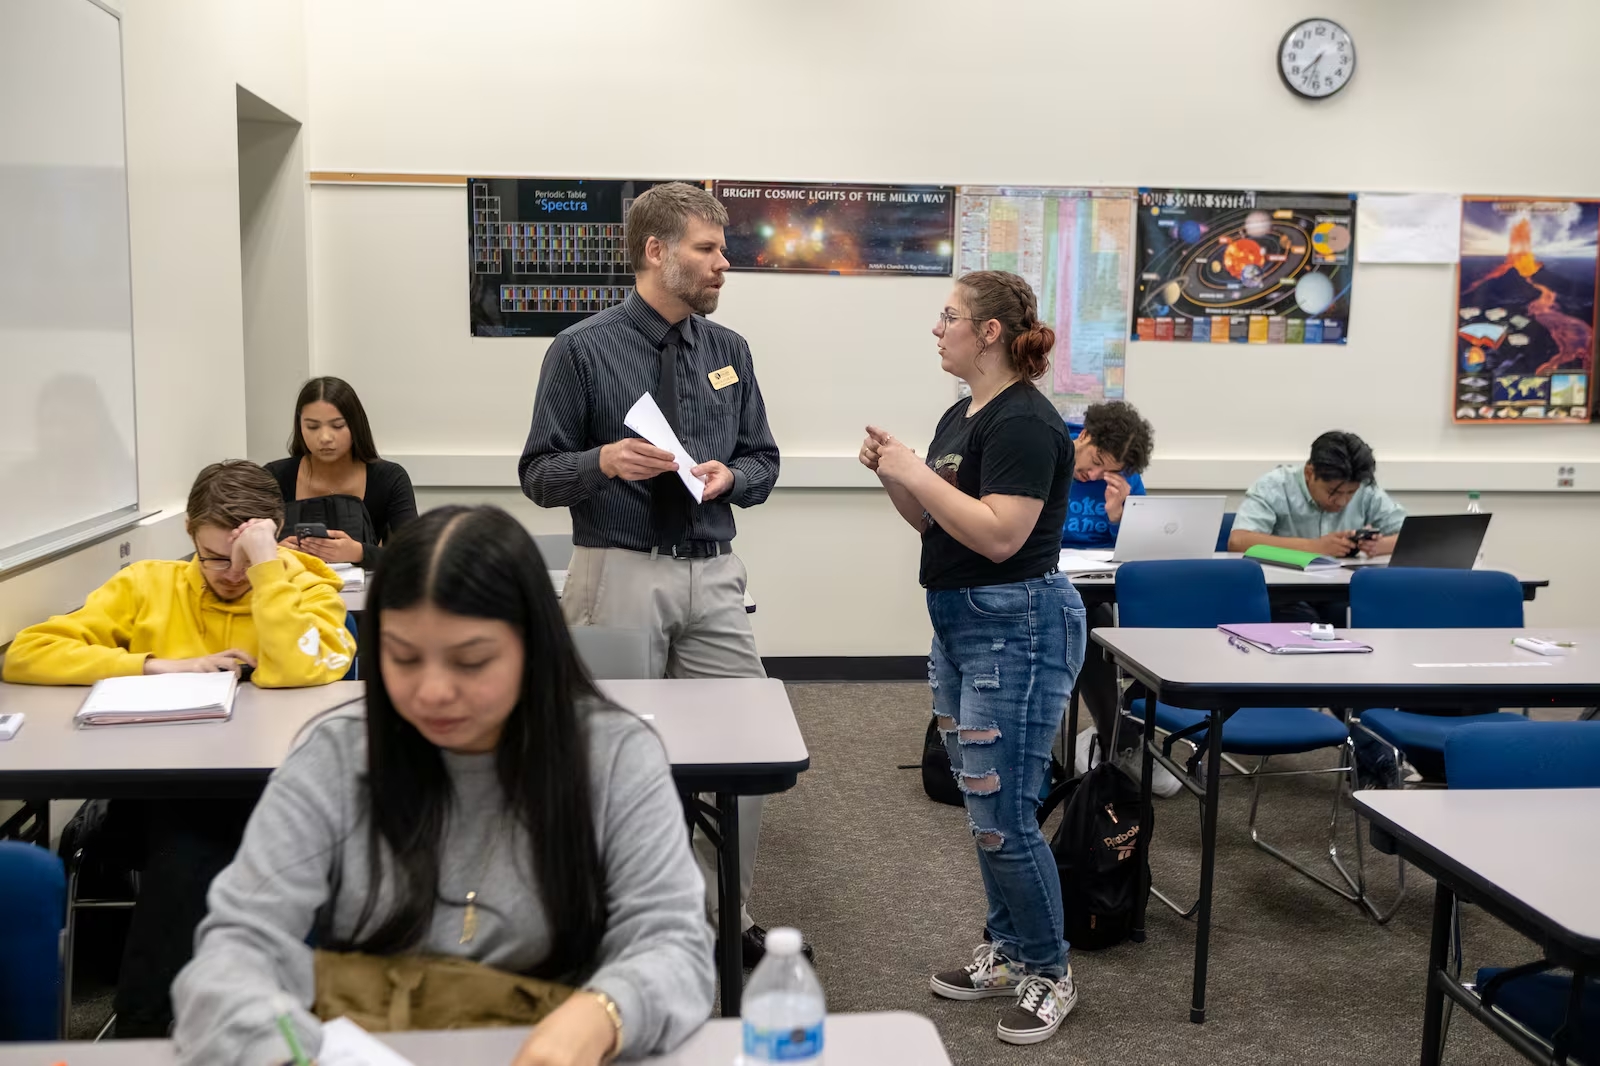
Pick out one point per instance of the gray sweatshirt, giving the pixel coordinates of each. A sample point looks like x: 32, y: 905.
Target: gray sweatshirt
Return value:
x: 655, y: 959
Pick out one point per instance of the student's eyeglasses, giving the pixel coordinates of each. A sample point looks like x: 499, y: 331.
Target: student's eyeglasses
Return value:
x: 948, y: 318
x: 215, y: 564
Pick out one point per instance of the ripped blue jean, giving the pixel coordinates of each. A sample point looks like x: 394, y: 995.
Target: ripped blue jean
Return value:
x: 1003, y: 664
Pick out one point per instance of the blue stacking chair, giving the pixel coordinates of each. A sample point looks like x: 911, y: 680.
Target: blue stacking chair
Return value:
x: 1415, y: 598
x: 354, y: 672
x: 1226, y: 531
x: 33, y: 899
x: 1203, y: 594
x: 1409, y: 598
x: 1543, y: 755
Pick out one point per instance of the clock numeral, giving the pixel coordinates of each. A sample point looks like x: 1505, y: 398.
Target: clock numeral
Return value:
x: 1341, y: 45
x: 1294, y: 70
x: 1293, y: 56
x: 1339, y: 73
x: 1322, y: 31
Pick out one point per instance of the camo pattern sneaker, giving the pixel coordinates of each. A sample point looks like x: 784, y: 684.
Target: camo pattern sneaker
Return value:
x: 1041, y: 1006
x: 988, y: 974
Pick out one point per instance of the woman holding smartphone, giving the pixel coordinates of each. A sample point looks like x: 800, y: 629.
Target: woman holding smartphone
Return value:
x: 1008, y: 629
x: 333, y: 478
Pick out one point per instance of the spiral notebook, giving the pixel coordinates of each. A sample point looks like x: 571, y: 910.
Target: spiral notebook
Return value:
x: 1290, y: 638
x: 159, y: 698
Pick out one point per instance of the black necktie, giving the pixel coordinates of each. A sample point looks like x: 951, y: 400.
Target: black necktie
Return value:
x: 669, y: 508
x: 667, y: 379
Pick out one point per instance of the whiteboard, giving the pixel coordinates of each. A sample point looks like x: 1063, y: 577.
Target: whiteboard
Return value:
x: 67, y: 449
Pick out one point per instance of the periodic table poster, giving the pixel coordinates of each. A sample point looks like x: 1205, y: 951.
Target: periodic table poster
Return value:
x: 546, y: 253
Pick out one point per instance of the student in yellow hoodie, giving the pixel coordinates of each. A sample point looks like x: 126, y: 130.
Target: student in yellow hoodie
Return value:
x: 241, y: 600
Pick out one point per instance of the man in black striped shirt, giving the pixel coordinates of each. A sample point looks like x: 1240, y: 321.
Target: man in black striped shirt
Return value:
x: 647, y: 556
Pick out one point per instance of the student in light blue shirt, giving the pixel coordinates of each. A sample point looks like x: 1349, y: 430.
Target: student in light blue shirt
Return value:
x: 1111, y: 448
x: 1324, y: 506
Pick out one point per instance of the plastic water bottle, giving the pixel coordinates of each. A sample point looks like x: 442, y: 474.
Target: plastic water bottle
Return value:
x: 1473, y: 507
x: 783, y: 1005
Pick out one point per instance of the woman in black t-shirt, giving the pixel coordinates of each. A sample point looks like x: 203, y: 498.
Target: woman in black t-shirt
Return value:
x: 333, y: 476
x: 1008, y: 629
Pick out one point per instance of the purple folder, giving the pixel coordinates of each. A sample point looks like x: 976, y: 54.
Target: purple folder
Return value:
x: 1289, y: 638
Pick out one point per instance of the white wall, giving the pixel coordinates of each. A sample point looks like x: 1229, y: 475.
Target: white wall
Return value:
x: 1164, y: 92
x: 274, y: 277
x: 182, y: 61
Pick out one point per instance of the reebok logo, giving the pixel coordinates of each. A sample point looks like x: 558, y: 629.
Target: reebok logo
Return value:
x: 1123, y: 844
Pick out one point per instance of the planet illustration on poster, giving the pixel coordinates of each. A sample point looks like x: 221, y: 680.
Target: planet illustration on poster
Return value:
x: 1232, y: 257
x: 1314, y: 293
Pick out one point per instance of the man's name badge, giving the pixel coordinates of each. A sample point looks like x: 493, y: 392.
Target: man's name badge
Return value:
x: 721, y: 379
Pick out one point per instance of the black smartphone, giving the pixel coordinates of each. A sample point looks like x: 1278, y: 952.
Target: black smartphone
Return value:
x: 311, y: 529
x: 1367, y: 534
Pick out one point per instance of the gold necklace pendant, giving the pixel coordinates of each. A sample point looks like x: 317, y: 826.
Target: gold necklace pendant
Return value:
x: 469, y: 922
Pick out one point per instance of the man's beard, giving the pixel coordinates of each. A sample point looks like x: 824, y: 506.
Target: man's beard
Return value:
x: 679, y: 281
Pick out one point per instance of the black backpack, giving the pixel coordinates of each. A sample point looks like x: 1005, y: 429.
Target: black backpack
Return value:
x: 940, y: 784
x: 1095, y: 851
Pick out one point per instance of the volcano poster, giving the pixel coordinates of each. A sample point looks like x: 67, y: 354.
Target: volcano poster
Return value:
x: 1525, y: 316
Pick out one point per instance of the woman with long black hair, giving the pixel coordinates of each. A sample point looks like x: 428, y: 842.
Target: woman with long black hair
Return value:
x: 334, y: 477
x: 490, y: 812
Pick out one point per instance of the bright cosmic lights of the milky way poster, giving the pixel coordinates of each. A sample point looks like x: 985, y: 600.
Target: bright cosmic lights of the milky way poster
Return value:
x: 839, y: 229
x: 1525, y: 315
x: 1220, y: 266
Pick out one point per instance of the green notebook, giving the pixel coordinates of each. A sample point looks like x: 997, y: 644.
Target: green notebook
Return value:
x: 1294, y: 560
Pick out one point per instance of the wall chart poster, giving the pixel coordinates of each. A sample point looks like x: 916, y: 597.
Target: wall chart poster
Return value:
x: 546, y: 253
x: 839, y: 229
x: 1244, y: 267
x: 1525, y: 316
x: 1075, y: 247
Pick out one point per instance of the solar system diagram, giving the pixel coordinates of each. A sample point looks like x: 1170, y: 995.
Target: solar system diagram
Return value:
x: 1244, y: 267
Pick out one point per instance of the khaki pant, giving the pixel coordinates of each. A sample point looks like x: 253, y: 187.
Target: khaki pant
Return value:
x: 693, y: 610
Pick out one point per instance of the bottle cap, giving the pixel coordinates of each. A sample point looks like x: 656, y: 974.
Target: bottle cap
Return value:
x: 783, y: 941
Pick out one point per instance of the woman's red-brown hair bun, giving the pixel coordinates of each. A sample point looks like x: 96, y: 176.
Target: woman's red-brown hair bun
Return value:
x: 1009, y: 300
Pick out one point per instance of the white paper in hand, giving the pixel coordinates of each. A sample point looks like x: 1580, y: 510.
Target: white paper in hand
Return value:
x: 344, y: 1043
x: 646, y: 419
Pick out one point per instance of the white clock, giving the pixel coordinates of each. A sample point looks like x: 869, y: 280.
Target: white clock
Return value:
x: 1317, y: 58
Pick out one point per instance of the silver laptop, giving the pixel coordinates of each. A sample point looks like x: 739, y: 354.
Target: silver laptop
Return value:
x: 1168, y: 527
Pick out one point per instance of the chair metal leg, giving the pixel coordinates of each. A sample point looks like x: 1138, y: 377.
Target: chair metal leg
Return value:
x: 1379, y: 914
x: 1353, y: 891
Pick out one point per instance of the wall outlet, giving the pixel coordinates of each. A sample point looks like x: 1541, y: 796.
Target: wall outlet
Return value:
x: 1566, y: 476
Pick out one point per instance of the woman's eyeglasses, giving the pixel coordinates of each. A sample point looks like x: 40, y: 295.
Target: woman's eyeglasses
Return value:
x: 947, y: 318
x: 1242, y: 645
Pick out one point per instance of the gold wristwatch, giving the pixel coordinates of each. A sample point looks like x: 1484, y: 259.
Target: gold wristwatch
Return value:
x: 615, y: 1015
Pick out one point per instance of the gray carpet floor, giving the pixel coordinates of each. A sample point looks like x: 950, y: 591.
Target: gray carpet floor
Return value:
x: 885, y: 884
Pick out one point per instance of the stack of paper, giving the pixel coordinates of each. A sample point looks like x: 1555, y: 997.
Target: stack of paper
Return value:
x: 344, y: 1043
x: 355, y: 578
x: 1086, y: 561
x: 160, y: 698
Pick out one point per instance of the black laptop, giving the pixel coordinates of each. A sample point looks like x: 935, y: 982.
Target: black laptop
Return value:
x: 1438, y: 541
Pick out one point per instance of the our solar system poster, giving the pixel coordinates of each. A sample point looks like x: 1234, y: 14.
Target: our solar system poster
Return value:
x: 839, y: 229
x: 1242, y: 267
x: 1524, y: 347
